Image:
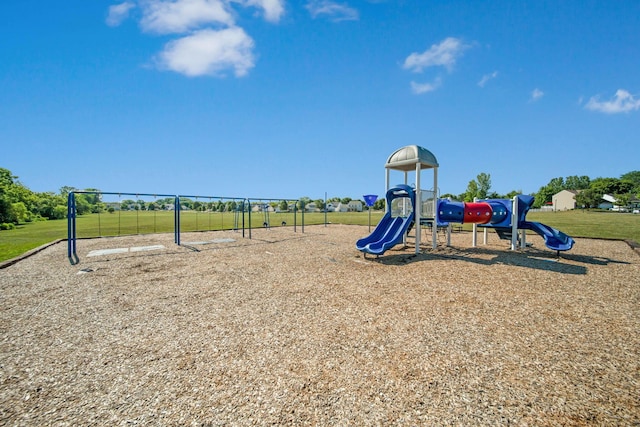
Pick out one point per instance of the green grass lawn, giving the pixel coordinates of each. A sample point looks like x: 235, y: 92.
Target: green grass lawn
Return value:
x: 28, y: 236
x: 594, y: 224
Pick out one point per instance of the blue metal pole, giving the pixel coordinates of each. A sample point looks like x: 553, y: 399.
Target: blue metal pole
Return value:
x: 69, y: 226
x: 71, y: 229
x: 249, y: 207
x: 243, y: 224
x: 325, y: 208
x: 176, y: 214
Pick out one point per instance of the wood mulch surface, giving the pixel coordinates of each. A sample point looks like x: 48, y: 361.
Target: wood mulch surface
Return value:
x: 299, y: 329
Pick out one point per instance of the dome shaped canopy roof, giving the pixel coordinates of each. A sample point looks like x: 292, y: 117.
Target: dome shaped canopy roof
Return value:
x: 406, y: 158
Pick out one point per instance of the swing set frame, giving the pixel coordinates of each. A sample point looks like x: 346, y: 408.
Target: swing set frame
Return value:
x: 243, y: 206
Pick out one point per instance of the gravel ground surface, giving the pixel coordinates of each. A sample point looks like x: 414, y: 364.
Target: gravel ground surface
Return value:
x: 299, y: 329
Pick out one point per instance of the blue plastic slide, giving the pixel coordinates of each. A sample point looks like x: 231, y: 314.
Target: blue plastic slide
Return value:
x: 391, y: 229
x: 554, y: 239
x: 388, y: 233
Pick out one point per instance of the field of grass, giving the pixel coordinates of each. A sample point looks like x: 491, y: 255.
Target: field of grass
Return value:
x: 602, y: 225
x: 593, y: 224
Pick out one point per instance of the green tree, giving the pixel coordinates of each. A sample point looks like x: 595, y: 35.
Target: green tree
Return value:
x: 472, y: 191
x: 6, y: 210
x: 93, y: 197
x: 478, y: 187
x: 20, y: 212
x: 82, y: 205
x: 59, y: 212
x: 14, y: 194
x: 577, y: 183
x: 588, y: 198
x: 611, y: 186
x: 284, y: 206
x: 623, y: 199
x: 633, y: 180
x: 186, y: 203
x: 64, y: 191
x: 302, y: 202
x: 7, y: 179
x: 47, y: 202
x: 231, y: 206
x: 127, y: 204
x: 545, y: 194
x: 633, y: 176
x: 484, y: 185
x: 380, y: 204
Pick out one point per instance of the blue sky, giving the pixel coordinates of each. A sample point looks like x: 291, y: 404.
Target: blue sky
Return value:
x: 283, y: 99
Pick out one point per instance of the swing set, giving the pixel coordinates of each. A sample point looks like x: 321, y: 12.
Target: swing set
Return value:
x: 189, y: 214
x: 263, y: 209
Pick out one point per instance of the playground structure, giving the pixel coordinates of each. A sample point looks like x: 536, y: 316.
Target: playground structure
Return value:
x: 243, y: 215
x: 409, y: 206
x: 506, y: 216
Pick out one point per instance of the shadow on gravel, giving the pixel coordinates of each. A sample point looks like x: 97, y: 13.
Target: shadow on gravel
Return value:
x: 532, y: 258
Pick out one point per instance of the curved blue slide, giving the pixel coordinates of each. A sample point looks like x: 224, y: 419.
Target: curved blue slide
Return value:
x: 391, y: 229
x: 388, y: 233
x: 554, y: 239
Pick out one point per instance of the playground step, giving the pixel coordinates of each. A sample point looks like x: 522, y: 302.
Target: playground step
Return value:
x: 504, y: 233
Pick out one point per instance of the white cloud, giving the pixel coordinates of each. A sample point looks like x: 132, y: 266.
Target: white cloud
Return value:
x: 444, y: 54
x: 420, y: 88
x: 536, y: 94
x: 485, y: 79
x: 622, y: 102
x: 118, y: 13
x: 180, y: 16
x: 210, y: 52
x: 332, y: 10
x: 273, y: 9
x: 212, y: 44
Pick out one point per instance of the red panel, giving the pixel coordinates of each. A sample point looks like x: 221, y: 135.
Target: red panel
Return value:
x: 478, y: 213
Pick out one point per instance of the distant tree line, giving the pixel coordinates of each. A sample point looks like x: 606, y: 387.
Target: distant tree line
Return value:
x: 589, y: 191
x: 18, y: 204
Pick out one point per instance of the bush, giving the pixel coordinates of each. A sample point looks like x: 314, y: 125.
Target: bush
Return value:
x: 60, y: 212
x: 7, y: 226
x: 20, y: 212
